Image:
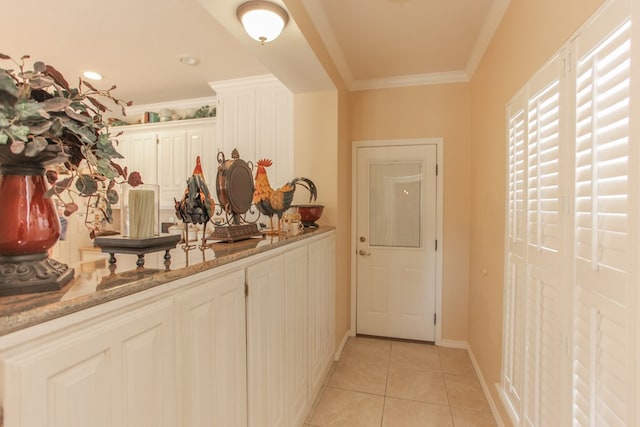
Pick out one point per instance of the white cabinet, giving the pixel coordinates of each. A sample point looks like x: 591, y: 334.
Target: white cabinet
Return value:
x: 321, y: 310
x: 192, y: 352
x: 172, y: 164
x: 290, y: 332
x: 212, y: 353
x: 201, y: 141
x: 296, y: 336
x: 178, y: 150
x: 255, y: 115
x: 266, y: 342
x: 140, y: 152
x: 165, y: 154
x: 114, y: 373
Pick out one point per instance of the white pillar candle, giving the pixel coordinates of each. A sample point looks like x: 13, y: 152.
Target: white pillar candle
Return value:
x: 141, y: 214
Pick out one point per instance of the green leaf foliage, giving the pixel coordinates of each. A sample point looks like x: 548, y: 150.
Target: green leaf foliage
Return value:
x: 56, y: 104
x: 7, y: 84
x: 36, y: 146
x: 19, y: 132
x: 104, y: 168
x: 27, y: 109
x: 105, y: 149
x: 86, y: 185
x: 112, y: 196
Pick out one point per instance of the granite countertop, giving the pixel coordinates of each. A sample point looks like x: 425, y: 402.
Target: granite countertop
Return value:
x: 95, y: 284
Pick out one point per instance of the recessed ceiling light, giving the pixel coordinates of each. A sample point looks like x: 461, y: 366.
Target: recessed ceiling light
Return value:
x: 189, y: 59
x: 92, y: 75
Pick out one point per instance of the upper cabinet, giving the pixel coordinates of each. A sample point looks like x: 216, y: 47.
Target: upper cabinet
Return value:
x: 255, y: 115
x: 165, y: 154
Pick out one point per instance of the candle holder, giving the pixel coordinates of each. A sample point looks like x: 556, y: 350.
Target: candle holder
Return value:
x: 140, y: 211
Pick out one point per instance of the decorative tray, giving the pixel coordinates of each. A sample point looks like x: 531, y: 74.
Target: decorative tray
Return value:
x: 140, y: 247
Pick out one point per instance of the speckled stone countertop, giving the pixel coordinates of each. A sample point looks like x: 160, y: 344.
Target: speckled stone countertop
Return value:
x: 95, y: 284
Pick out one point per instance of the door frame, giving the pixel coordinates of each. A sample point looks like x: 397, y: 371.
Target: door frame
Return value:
x: 439, y: 143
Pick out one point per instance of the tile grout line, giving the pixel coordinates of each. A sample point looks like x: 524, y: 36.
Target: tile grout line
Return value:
x: 386, y: 382
x: 446, y: 390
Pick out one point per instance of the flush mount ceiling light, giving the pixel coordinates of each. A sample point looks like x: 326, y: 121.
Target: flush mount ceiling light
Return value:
x: 92, y: 75
x: 262, y: 20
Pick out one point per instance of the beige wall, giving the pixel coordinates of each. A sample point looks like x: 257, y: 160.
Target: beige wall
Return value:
x: 317, y: 111
x: 424, y: 112
x: 320, y: 157
x: 530, y: 32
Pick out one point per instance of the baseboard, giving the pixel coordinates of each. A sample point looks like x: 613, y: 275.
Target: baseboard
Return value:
x: 485, y: 389
x: 453, y: 344
x: 338, y: 353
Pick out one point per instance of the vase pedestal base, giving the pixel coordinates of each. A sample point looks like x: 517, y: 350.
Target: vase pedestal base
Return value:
x: 23, y: 274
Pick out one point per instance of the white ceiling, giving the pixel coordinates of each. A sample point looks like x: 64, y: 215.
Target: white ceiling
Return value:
x: 135, y: 44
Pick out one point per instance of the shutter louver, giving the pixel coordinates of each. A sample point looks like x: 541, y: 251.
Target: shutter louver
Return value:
x: 601, y: 365
x: 517, y: 174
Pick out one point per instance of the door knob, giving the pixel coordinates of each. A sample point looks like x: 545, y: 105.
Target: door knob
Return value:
x: 362, y: 252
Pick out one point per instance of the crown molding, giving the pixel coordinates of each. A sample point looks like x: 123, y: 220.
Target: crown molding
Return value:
x: 489, y: 27
x: 410, y: 80
x: 264, y: 80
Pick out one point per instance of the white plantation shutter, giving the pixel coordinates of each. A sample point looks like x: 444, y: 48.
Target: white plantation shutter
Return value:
x: 545, y: 247
x: 570, y: 299
x: 514, y: 297
x: 604, y: 270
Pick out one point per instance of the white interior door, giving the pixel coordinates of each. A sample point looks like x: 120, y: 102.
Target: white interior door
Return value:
x: 396, y: 241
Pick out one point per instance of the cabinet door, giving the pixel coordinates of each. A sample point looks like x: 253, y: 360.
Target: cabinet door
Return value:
x: 142, y: 155
x: 139, y: 150
x: 321, y: 309
x: 296, y: 354
x: 255, y: 115
x: 236, y: 125
x: 119, y: 372
x: 172, y: 166
x: 201, y: 141
x: 213, y: 353
x: 265, y: 343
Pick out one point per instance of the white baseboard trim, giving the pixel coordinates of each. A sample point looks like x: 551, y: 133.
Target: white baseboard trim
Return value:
x: 346, y: 336
x: 485, y: 389
x: 453, y: 344
x: 505, y: 402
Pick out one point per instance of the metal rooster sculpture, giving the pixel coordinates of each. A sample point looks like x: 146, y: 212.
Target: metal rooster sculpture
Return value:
x: 197, y: 205
x: 275, y: 202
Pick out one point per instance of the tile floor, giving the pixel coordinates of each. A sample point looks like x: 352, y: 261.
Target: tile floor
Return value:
x: 385, y: 383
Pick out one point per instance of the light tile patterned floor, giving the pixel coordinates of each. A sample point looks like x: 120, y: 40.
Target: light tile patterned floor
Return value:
x: 384, y: 383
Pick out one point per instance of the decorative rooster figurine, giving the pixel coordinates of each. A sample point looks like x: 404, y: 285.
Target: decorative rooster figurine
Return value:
x: 275, y: 202
x: 197, y: 205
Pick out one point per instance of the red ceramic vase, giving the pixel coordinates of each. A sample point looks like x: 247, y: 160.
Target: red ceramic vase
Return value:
x: 29, y: 222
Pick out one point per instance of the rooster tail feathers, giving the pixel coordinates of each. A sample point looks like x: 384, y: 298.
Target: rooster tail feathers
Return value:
x: 308, y: 184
